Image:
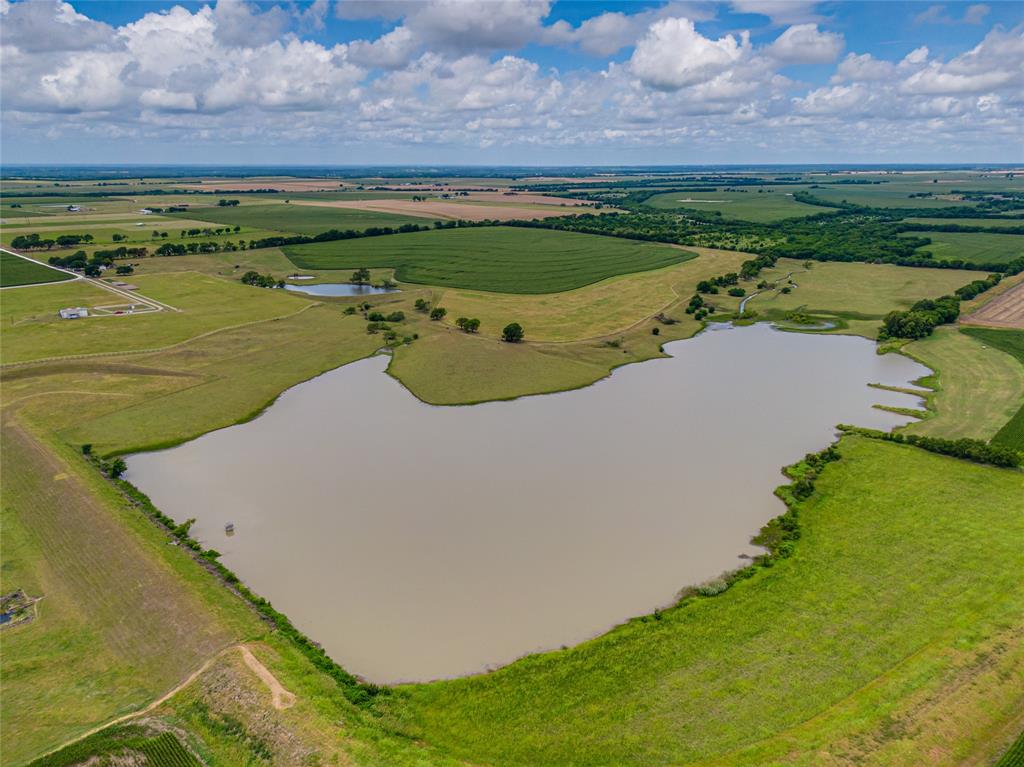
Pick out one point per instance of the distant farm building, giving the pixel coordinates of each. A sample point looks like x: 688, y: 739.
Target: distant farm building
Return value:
x: 74, y: 208
x: 73, y: 313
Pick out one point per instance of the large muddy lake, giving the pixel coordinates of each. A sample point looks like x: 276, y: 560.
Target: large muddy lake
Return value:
x: 416, y: 542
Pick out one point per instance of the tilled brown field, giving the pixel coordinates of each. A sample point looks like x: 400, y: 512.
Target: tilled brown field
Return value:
x: 447, y: 209
x: 1005, y: 311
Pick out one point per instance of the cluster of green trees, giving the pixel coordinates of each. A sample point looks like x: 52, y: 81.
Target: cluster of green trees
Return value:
x: 977, y: 287
x: 91, y: 266
x: 35, y: 242
x: 207, y: 231
x: 969, y: 449
x: 468, y: 324
x: 258, y: 280
x: 333, y: 235
x: 513, y: 333
x: 920, y: 319
x: 360, y: 276
x: 396, y: 316
x: 192, y: 248
x: 227, y: 203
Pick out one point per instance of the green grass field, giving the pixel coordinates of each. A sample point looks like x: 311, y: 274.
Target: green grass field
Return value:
x: 749, y: 205
x: 32, y: 329
x: 18, y: 271
x: 851, y: 291
x: 301, y: 219
x: 892, y: 194
x: 1011, y: 342
x: 989, y: 223
x: 973, y: 247
x: 499, y: 259
x: 980, y: 388
x: 794, y: 665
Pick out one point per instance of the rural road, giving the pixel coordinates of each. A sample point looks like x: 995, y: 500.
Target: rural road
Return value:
x: 133, y: 297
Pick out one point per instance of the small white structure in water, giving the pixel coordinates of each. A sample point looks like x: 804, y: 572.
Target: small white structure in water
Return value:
x: 73, y: 313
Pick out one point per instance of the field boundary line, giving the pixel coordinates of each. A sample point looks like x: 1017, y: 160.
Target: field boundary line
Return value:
x: 10, y: 252
x: 207, y: 334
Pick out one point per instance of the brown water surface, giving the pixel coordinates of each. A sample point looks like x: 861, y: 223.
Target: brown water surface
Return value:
x: 417, y: 542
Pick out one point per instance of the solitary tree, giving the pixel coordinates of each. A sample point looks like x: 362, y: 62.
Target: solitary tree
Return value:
x: 513, y: 333
x: 438, y: 313
x: 361, y: 276
x: 421, y: 305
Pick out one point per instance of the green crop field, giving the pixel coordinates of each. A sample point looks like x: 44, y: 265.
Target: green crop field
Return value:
x: 19, y: 271
x: 1015, y: 756
x: 123, y: 746
x: 973, y: 247
x: 609, y: 306
x: 781, y: 665
x: 749, y: 205
x: 500, y: 259
x: 301, y: 219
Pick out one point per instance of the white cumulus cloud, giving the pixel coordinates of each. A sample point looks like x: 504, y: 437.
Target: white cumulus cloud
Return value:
x: 674, y: 54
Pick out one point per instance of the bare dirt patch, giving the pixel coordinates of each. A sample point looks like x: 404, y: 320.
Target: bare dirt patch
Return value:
x: 280, y: 697
x: 1005, y: 311
x: 445, y: 209
x: 289, y: 185
x: 525, y: 197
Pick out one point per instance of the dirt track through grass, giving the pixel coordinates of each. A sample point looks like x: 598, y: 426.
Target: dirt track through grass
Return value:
x: 115, y: 628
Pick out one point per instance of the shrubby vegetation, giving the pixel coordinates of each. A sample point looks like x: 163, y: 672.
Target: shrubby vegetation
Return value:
x: 468, y: 324
x: 513, y: 333
x: 258, y: 280
x: 969, y: 449
x: 920, y: 319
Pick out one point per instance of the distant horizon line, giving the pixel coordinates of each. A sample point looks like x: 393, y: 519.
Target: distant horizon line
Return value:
x: 515, y: 165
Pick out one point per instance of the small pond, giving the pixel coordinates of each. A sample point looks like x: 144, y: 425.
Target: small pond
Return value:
x: 417, y: 542
x: 338, y: 289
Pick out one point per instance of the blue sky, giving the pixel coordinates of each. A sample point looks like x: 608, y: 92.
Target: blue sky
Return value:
x: 511, y: 81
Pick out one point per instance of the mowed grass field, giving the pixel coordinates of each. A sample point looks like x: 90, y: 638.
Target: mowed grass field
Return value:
x: 818, y: 660
x: 979, y: 387
x: 300, y: 219
x: 1011, y: 342
x: 32, y: 330
x: 498, y: 259
x: 973, y: 247
x: 20, y: 271
x: 749, y: 205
